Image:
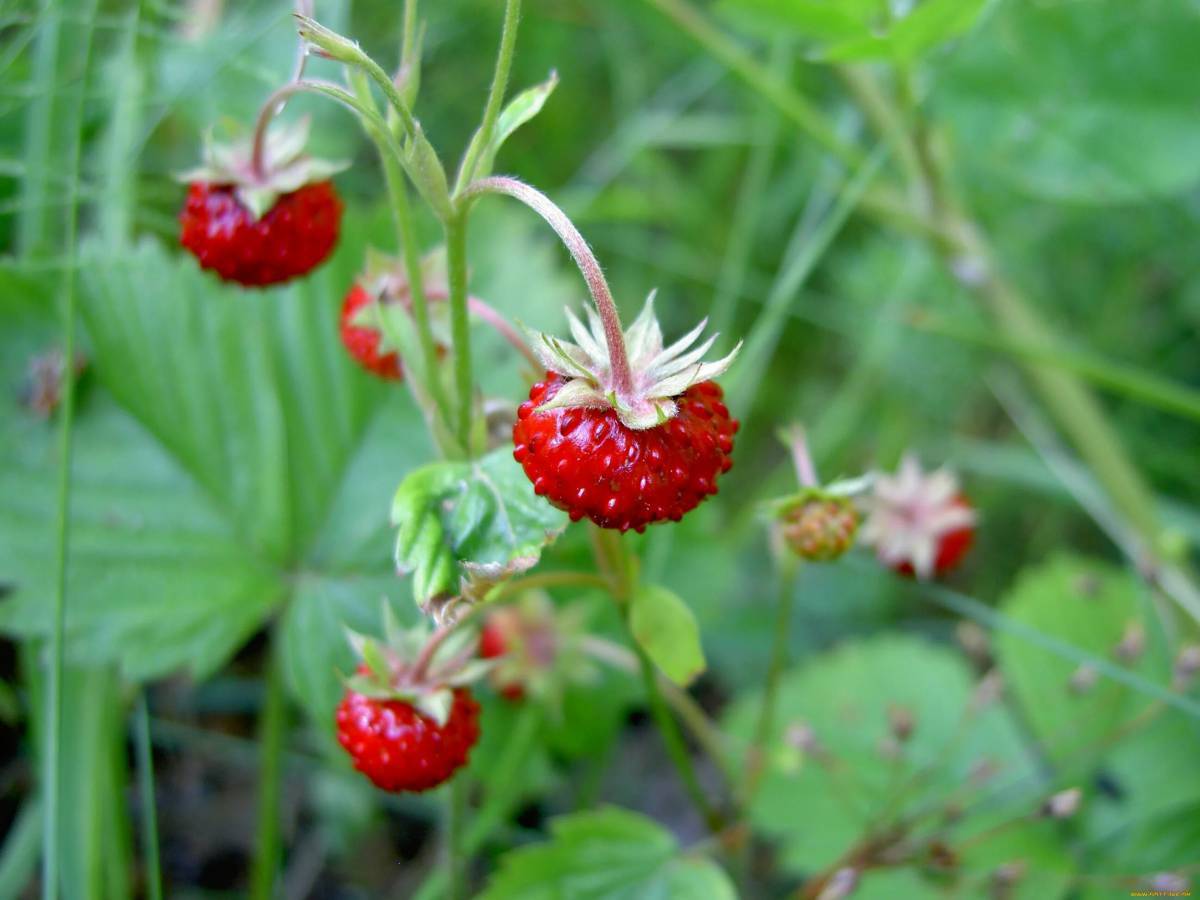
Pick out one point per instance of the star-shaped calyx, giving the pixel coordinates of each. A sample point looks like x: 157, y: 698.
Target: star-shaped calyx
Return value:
x: 918, y: 521
x: 282, y: 165
x: 416, y: 666
x: 655, y: 374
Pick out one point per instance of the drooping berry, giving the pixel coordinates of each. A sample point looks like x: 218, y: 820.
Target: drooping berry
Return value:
x: 494, y: 644
x: 293, y: 237
x: 364, y: 342
x: 919, y: 523
x: 261, y: 215
x: 402, y: 749
x: 820, y: 529
x: 588, y: 462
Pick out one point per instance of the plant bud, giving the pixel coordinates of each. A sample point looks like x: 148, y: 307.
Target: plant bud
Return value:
x: 988, y: 691
x: 1062, y: 805
x: 801, y: 736
x: 1132, y: 643
x: 1005, y: 878
x: 974, y: 641
x: 820, y: 529
x: 1083, y: 679
x: 901, y: 722
x: 1187, y: 664
x: 840, y: 885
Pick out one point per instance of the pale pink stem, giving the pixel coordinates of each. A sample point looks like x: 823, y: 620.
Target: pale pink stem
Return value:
x: 492, y: 316
x: 802, y: 458
x: 584, y: 259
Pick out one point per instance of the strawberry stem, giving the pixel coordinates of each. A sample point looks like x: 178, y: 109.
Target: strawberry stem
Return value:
x: 589, y: 267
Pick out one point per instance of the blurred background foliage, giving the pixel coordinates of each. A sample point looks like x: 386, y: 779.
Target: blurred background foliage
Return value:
x: 232, y: 470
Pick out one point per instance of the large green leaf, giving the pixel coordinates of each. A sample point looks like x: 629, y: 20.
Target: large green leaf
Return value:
x: 844, y: 699
x: 1090, y: 606
x: 462, y: 522
x: 1093, y: 100
x: 607, y: 853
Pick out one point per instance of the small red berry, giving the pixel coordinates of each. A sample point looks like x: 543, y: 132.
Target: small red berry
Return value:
x: 586, y: 461
x: 493, y: 644
x: 290, y: 239
x: 363, y: 342
x: 402, y: 749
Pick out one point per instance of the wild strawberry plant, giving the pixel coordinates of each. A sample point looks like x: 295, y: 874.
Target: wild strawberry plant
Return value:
x: 329, y: 442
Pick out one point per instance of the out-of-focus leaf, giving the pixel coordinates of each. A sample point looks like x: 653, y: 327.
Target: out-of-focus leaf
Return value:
x: 666, y: 629
x: 1092, y: 606
x: 456, y: 520
x: 843, y: 700
x: 607, y: 853
x: 867, y: 29
x: 1092, y: 101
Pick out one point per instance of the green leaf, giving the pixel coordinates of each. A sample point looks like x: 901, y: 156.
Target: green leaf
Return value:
x: 607, y: 853
x: 521, y: 109
x: 844, y: 699
x: 663, y: 625
x: 459, y: 520
x: 1091, y: 606
x: 1042, y: 101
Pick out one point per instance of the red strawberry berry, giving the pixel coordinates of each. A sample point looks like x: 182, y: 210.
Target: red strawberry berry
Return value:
x: 493, y: 644
x: 290, y: 239
x: 402, y: 749
x: 586, y: 461
x: 362, y: 342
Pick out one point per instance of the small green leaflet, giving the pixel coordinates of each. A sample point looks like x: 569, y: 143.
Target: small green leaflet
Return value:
x: 607, y: 853
x: 519, y: 110
x: 459, y: 521
x: 666, y: 629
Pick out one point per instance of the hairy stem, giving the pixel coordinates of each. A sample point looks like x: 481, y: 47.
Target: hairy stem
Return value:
x: 275, y: 104
x: 272, y: 724
x: 589, y: 267
x: 491, y: 111
x: 486, y: 313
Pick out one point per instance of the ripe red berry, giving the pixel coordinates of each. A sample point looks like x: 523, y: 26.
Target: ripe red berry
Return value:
x: 586, y: 461
x: 493, y: 644
x: 401, y: 749
x: 362, y: 342
x: 290, y: 239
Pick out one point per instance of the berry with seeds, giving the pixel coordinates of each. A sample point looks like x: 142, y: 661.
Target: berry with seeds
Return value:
x: 625, y: 455
x: 820, y: 529
x: 262, y: 220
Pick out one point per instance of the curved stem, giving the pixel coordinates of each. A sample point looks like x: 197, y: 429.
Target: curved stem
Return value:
x: 503, y: 327
x: 589, y: 267
x: 491, y: 112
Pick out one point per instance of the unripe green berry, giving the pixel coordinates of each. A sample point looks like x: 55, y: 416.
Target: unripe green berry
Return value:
x: 820, y: 529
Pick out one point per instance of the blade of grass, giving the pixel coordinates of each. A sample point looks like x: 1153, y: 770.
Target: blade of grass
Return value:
x: 1128, y: 381
x: 19, y: 859
x: 272, y: 724
x: 52, y: 766
x: 145, y: 766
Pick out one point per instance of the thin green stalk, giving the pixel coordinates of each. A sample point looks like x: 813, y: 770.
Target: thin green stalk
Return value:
x: 676, y: 748
x: 495, y: 100
x: 408, y: 34
x: 272, y: 724
x: 794, y: 106
x: 505, y: 789
x: 145, y: 766
x: 755, y: 758
x: 460, y: 326
x: 610, y: 545
x: 51, y: 864
x: 456, y: 807
x: 406, y: 237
